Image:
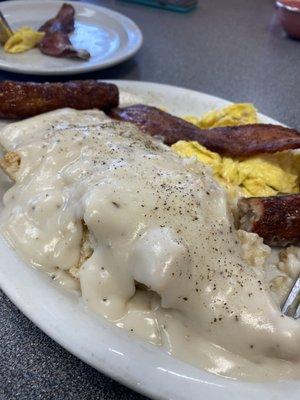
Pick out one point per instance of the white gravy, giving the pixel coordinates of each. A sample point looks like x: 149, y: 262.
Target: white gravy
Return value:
x: 154, y: 219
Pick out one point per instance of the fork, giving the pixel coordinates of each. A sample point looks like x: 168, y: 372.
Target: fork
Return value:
x: 5, y: 30
x: 291, y: 306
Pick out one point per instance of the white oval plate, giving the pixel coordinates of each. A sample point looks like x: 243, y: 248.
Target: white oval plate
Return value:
x: 139, y: 365
x: 110, y: 37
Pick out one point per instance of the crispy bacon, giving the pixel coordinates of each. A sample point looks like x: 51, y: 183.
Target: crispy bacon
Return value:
x: 236, y: 141
x: 62, y: 22
x: 26, y: 99
x: 58, y: 44
x: 56, y: 41
x: 276, y: 219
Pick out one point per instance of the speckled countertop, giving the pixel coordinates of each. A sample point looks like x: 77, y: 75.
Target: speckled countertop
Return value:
x: 233, y: 49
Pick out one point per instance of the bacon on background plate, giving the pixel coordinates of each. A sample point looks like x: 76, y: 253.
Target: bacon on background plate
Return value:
x: 56, y: 41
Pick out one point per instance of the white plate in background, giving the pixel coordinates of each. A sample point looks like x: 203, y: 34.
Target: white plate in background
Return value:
x: 110, y: 37
x: 139, y: 365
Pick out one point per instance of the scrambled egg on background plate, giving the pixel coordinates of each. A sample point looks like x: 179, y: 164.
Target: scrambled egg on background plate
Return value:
x: 23, y: 39
x: 262, y: 175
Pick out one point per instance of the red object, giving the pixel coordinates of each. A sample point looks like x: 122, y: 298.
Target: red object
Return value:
x: 291, y: 3
x: 289, y: 15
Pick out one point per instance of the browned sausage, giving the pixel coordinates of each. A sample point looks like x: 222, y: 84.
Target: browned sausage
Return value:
x: 236, y: 141
x: 26, y: 99
x: 276, y: 219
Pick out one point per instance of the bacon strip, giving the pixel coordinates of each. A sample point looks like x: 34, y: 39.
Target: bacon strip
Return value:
x: 26, y: 99
x: 276, y: 219
x: 236, y: 141
x: 62, y: 22
x: 58, y: 44
x: 56, y: 41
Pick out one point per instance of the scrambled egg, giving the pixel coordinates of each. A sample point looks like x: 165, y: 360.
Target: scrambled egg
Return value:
x: 263, y: 175
x: 235, y: 114
x: 22, y: 40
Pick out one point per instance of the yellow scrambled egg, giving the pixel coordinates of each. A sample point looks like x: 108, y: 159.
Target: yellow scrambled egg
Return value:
x: 22, y: 40
x: 235, y: 114
x: 262, y: 175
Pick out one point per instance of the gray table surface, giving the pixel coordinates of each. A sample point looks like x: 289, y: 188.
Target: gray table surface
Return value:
x: 232, y: 49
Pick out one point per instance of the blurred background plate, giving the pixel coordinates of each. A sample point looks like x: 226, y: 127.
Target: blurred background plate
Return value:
x: 110, y: 37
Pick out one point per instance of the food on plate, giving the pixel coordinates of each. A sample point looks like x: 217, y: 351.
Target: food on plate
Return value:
x: 275, y: 218
x: 52, y: 38
x: 148, y: 239
x: 261, y: 175
x: 10, y: 164
x: 233, y: 115
x: 233, y: 141
x: 58, y: 44
x: 64, y: 21
x: 23, y: 39
x: 56, y: 41
x: 26, y: 99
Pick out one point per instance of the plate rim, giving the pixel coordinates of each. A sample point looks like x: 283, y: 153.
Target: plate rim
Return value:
x: 79, y: 69
x: 212, y: 386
